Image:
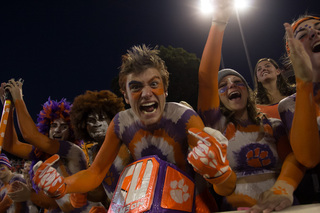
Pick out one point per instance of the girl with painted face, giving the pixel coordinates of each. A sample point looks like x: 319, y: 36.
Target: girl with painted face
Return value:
x: 52, y: 134
x: 270, y: 86
x: 256, y: 147
x: 300, y: 112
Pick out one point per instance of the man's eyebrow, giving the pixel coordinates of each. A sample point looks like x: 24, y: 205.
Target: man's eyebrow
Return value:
x: 134, y: 82
x: 155, y: 77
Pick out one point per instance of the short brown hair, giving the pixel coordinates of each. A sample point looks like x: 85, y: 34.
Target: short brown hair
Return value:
x: 138, y: 59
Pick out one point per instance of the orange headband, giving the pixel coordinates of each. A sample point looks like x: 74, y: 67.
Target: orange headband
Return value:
x: 296, y: 24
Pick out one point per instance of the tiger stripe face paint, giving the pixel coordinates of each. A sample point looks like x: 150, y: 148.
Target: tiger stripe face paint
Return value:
x: 146, y: 95
x: 308, y: 33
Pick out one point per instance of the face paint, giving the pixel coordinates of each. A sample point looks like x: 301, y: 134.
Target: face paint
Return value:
x: 97, y: 126
x: 59, y: 130
x: 145, y: 93
x: 280, y: 191
x: 238, y: 84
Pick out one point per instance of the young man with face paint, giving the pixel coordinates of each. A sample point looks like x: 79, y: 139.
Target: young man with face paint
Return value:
x: 52, y: 134
x: 151, y: 127
x: 90, y: 116
x: 248, y: 174
x: 6, y: 179
x: 300, y: 112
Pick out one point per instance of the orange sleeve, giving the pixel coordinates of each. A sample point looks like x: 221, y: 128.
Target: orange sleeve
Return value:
x: 91, y: 178
x: 11, y: 143
x: 304, y: 134
x: 208, y: 97
x: 227, y: 187
x: 30, y: 132
x: 195, y: 121
x: 292, y: 171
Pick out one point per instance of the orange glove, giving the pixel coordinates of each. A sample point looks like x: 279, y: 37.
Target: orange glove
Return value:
x: 78, y: 200
x: 48, y: 179
x: 209, y: 157
x: 98, y: 209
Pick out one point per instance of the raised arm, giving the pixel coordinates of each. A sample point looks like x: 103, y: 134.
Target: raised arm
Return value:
x: 11, y: 143
x: 304, y: 134
x: 210, y: 62
x: 27, y: 127
x: 87, y: 180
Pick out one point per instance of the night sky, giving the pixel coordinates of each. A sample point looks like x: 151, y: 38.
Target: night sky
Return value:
x: 63, y: 48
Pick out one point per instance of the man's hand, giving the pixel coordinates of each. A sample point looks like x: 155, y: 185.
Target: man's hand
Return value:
x: 279, y: 197
x: 48, y: 179
x: 15, y: 89
x: 209, y: 157
x: 19, y: 192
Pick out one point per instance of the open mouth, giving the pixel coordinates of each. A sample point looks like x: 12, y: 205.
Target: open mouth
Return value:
x: 316, y: 47
x: 149, y: 107
x: 234, y: 95
x: 264, y: 73
x: 57, y: 137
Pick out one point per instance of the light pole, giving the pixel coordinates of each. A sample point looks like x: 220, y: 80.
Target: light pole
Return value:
x: 245, y: 46
x: 207, y: 7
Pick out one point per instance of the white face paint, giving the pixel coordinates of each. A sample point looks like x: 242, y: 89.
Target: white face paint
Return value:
x: 97, y: 125
x: 59, y: 130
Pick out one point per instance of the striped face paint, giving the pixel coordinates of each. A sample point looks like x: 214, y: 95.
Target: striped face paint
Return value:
x: 155, y: 86
x: 224, y: 89
x: 145, y: 93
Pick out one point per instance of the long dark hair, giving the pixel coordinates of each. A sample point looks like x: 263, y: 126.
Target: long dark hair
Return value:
x: 283, y: 85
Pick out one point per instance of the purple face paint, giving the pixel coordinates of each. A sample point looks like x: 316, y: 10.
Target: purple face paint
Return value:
x: 224, y: 89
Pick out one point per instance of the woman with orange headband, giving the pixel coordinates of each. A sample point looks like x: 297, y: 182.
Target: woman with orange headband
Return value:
x: 300, y: 112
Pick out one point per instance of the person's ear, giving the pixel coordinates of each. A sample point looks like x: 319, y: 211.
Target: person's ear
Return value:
x: 125, y: 96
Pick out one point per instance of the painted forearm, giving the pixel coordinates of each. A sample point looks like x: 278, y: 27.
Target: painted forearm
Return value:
x: 304, y: 134
x: 30, y: 132
x: 292, y: 171
x: 209, y: 67
x: 227, y: 187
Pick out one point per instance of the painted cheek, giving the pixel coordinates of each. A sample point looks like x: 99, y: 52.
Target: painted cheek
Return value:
x: 223, y: 90
x: 136, y: 95
x: 241, y: 86
x: 158, y: 91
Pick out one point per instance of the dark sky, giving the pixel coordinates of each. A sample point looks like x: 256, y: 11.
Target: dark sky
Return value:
x: 63, y: 48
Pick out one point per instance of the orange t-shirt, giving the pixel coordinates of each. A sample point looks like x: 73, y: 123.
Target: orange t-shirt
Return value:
x: 270, y: 110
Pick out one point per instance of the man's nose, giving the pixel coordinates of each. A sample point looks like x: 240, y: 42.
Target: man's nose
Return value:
x: 146, y: 92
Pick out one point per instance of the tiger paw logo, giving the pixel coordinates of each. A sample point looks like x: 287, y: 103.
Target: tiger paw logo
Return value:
x: 179, y: 191
x: 258, y: 158
x: 109, y: 178
x: 254, y: 157
x: 279, y: 191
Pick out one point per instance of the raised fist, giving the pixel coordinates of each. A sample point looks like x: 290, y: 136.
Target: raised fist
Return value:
x: 48, y: 179
x: 209, y: 157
